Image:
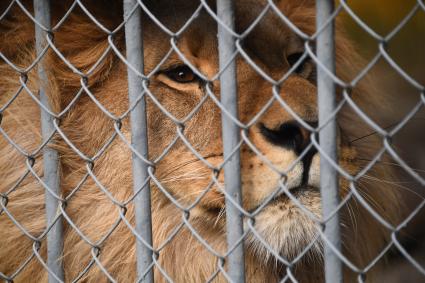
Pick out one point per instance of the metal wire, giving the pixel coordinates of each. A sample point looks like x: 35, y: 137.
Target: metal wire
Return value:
x: 232, y: 176
x: 241, y: 224
x: 142, y: 201
x: 328, y: 140
x: 50, y: 156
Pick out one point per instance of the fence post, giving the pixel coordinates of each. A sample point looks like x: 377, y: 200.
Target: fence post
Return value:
x: 231, y: 137
x: 50, y: 156
x: 139, y: 141
x: 328, y: 139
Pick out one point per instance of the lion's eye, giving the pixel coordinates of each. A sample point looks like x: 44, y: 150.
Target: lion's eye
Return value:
x: 181, y: 74
x: 294, y: 58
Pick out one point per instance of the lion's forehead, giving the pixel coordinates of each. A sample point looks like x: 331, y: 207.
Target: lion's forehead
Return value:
x: 256, y: 36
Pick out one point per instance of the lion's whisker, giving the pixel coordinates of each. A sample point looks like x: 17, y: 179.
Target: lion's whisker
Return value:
x: 395, y: 184
x: 382, y: 163
x: 191, y: 194
x: 385, y: 128
x: 182, y: 165
x: 367, y: 196
x: 220, y: 215
x: 372, y: 133
x: 186, y: 174
x: 352, y: 216
x: 184, y: 179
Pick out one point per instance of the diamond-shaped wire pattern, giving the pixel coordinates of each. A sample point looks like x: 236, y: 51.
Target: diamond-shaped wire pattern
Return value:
x: 139, y: 146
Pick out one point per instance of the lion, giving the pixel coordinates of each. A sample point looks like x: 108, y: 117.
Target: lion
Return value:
x: 276, y: 134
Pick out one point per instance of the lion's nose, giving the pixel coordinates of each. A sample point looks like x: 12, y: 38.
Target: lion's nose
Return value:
x: 292, y: 136
x: 289, y: 135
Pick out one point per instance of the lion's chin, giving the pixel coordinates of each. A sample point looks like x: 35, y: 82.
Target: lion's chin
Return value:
x: 285, y: 233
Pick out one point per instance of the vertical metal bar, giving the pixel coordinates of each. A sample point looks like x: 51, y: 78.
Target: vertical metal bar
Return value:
x: 139, y: 140
x: 231, y: 137
x: 50, y: 156
x: 328, y: 139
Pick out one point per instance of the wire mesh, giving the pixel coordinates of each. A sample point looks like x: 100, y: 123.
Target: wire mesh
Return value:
x: 195, y: 141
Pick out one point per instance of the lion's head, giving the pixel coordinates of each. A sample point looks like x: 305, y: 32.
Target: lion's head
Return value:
x: 185, y: 145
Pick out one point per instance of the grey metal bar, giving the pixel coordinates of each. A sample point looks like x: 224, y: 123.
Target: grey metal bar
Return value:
x: 328, y: 139
x: 231, y: 137
x: 50, y: 156
x: 139, y: 141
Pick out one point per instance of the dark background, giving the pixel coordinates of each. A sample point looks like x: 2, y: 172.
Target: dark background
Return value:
x: 407, y: 48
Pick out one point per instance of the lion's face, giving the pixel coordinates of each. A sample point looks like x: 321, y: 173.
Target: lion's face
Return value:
x: 277, y: 151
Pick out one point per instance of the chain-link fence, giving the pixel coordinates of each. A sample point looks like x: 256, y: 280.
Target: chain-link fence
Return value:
x: 197, y: 141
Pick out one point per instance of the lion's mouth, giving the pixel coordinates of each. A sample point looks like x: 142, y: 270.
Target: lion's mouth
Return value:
x: 291, y: 195
x: 283, y: 224
x: 294, y: 193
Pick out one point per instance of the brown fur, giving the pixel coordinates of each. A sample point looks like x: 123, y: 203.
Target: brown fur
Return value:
x: 184, y: 258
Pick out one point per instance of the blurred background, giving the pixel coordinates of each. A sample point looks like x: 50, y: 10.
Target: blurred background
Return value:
x: 407, y: 49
